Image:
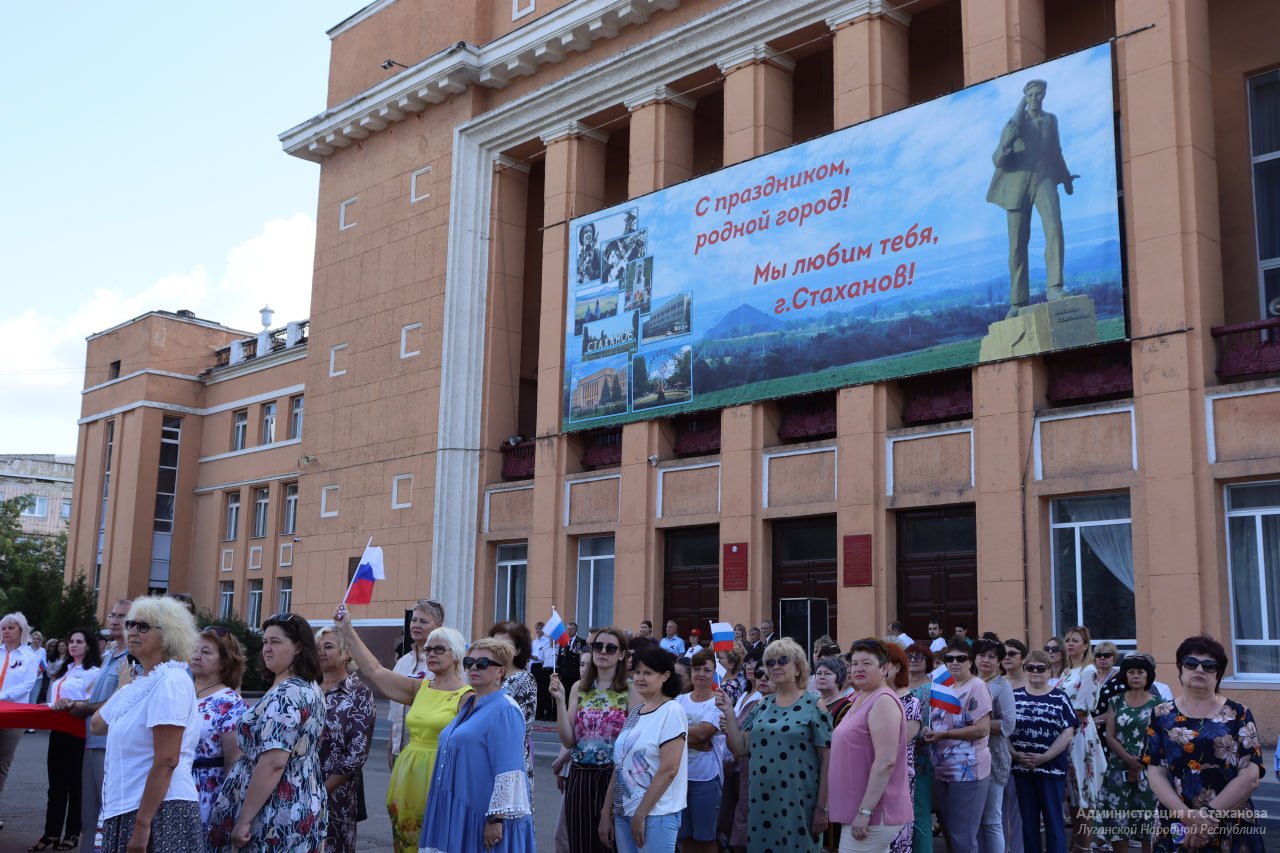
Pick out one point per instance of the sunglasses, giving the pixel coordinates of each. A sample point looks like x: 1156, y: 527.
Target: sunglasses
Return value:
x: 605, y: 648
x: 1035, y: 667
x: 955, y: 658
x: 140, y: 627
x: 1207, y: 664
x: 436, y: 650
x: 760, y: 673
x: 220, y: 630
x: 1107, y: 655
x: 1053, y: 650
x: 284, y: 617
x: 780, y: 660
x: 914, y: 656
x: 479, y: 663
x: 429, y: 602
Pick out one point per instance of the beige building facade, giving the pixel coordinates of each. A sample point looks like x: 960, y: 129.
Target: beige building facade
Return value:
x: 45, y: 478
x: 1133, y: 488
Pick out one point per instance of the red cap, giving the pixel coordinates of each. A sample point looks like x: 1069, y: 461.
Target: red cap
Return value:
x: 695, y: 633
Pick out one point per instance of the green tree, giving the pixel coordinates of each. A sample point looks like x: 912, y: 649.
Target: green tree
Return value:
x: 32, y: 577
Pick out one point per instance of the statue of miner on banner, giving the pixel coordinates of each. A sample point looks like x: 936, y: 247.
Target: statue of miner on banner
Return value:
x: 1029, y: 167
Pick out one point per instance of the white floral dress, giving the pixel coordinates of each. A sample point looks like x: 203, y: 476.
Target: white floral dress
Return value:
x: 1088, y: 759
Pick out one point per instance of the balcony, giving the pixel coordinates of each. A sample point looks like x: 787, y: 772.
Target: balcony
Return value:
x: 602, y: 449
x: 1090, y: 375
x: 697, y: 435
x: 807, y: 418
x: 518, y: 459
x: 937, y: 398
x: 269, y: 341
x: 1247, y: 350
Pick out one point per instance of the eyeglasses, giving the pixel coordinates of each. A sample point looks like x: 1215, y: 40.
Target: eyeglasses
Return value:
x: 479, y: 663
x: 1035, y: 667
x: 1012, y: 653
x: 955, y: 658
x: 605, y: 648
x: 1107, y: 655
x: 284, y: 617
x: 914, y: 656
x: 780, y: 660
x: 436, y: 650
x: 430, y: 602
x: 1209, y: 665
x: 140, y: 627
x: 1053, y: 650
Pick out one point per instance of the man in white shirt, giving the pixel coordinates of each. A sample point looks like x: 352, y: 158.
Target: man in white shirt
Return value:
x: 672, y: 642
x: 903, y: 638
x: 427, y: 616
x: 938, y: 642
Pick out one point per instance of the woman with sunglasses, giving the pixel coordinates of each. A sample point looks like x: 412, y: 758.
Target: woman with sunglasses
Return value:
x: 1057, y: 662
x: 433, y: 704
x: 1126, y: 806
x: 738, y: 770
x: 348, y: 733
x: 479, y: 799
x: 1106, y: 658
x: 1203, y: 758
x: 65, y: 760
x: 217, y: 665
x: 919, y: 666
x: 274, y: 797
x: 1015, y: 653
x: 1081, y: 684
x: 958, y: 737
x: 1046, y: 724
x: 427, y: 616
x: 589, y: 720
x: 149, y: 799
x: 788, y: 738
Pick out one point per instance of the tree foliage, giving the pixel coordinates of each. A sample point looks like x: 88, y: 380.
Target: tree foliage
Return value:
x: 256, y: 676
x: 32, y: 577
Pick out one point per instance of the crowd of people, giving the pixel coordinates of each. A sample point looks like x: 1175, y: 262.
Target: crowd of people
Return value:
x: 667, y: 743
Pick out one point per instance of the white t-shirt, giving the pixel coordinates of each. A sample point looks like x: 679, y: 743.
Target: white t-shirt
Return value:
x: 703, y: 765
x: 637, y: 756
x: 544, y: 652
x: 410, y: 666
x: 938, y: 644
x: 165, y: 697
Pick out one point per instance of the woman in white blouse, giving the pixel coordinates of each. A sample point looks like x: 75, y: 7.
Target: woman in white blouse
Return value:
x: 66, y: 752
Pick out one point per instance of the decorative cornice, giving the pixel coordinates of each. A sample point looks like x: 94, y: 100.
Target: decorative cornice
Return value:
x: 548, y: 39
x: 657, y: 94
x: 501, y: 163
x: 851, y: 12
x: 759, y: 52
x: 347, y: 23
x: 567, y: 129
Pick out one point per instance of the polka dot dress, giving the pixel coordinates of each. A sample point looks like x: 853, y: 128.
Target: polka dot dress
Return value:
x: 784, y: 774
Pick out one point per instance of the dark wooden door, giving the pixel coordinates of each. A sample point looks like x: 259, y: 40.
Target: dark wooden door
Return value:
x: 691, y: 589
x: 938, y: 570
x: 804, y: 563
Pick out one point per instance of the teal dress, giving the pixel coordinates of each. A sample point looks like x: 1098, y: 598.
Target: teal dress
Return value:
x: 922, y: 793
x: 1126, y: 808
x: 785, y: 769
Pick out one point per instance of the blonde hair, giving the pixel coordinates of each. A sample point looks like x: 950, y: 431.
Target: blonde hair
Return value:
x: 455, y: 641
x: 341, y: 642
x: 1083, y: 633
x: 790, y: 648
x: 174, y: 621
x: 500, y: 650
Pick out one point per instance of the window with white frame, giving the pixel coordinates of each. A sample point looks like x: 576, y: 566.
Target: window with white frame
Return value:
x: 226, y: 599
x: 296, y: 407
x: 37, y: 508
x: 402, y: 491
x: 261, y: 506
x: 102, y: 515
x: 284, y: 600
x: 268, y: 423
x: 1253, y: 561
x: 239, y: 429
x: 166, y: 502
x: 338, y: 360
x: 1264, y: 148
x: 65, y: 511
x: 329, y: 502
x: 254, y: 615
x: 1093, y: 567
x: 509, y: 591
x: 289, y: 523
x: 347, y: 213
x: 409, y: 343
x: 520, y: 8
x: 233, y: 516
x: 595, y: 581
x: 419, y: 180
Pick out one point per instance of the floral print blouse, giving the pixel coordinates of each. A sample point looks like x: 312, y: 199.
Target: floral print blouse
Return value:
x: 348, y: 732
x: 219, y: 712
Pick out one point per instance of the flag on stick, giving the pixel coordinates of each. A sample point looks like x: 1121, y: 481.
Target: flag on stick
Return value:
x: 555, y: 630
x: 721, y: 674
x: 360, y: 590
x: 942, y: 694
x: 721, y: 637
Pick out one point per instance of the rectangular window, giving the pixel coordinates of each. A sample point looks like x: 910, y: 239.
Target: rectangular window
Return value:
x: 338, y: 360
x: 347, y: 214
x: 102, y: 514
x: 409, y: 343
x: 520, y: 8
x: 268, y: 423
x: 166, y: 502
x: 1253, y: 562
x: 65, y: 511
x: 509, y: 592
x: 226, y: 599
x: 418, y: 181
x: 1093, y: 567
x: 113, y: 370
x: 284, y: 600
x: 329, y: 502
x: 402, y: 491
x: 239, y: 429
x: 595, y: 581
x: 254, y: 616
x: 295, y: 417
x: 289, y: 523
x: 233, y: 517
x: 38, y: 508
x: 1264, y: 148
x: 261, y: 504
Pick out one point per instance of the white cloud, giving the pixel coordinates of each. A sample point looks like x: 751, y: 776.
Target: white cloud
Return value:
x: 42, y: 354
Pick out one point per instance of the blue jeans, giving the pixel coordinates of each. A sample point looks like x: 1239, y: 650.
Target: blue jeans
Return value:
x: 659, y: 834
x: 1041, y: 796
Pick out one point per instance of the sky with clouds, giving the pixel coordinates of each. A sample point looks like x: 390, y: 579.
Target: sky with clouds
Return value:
x: 143, y: 172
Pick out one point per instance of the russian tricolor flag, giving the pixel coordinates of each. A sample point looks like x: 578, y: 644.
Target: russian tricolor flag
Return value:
x: 721, y: 637
x: 370, y: 569
x: 941, y: 693
x: 721, y: 672
x: 555, y: 630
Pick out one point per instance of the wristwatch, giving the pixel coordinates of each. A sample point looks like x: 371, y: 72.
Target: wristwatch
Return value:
x: 865, y: 812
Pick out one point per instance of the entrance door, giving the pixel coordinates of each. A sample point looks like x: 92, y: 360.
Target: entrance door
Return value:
x: 691, y: 592
x: 804, y: 566
x: 938, y: 570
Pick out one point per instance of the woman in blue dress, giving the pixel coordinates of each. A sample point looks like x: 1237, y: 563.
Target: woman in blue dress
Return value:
x: 479, y: 797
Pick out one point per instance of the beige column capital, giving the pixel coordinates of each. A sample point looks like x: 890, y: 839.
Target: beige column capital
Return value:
x: 503, y: 163
x: 656, y: 94
x: 571, y: 129
x: 857, y: 9
x: 752, y: 54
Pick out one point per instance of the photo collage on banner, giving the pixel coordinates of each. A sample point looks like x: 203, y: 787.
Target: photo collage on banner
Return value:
x: 626, y: 328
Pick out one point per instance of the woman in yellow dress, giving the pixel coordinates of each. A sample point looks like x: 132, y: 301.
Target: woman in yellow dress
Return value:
x: 433, y: 705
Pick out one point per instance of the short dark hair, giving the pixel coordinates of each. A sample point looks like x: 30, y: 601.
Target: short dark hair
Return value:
x: 520, y: 640
x: 961, y: 626
x: 638, y: 645
x: 988, y: 644
x: 871, y: 646
x: 1205, y: 645
x: 935, y: 622
x: 702, y: 659
x: 646, y: 622
x: 958, y: 645
x: 660, y: 661
x: 92, y: 654
x: 1019, y: 645
x: 895, y: 626
x: 306, y: 664
x: 1137, y: 660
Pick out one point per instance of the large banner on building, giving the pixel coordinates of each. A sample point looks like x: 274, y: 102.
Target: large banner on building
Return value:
x: 979, y: 226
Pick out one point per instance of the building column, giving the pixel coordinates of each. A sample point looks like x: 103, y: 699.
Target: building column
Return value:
x: 860, y: 509
x: 869, y: 53
x: 1001, y: 36
x: 1175, y: 296
x: 661, y: 140
x: 574, y: 186
x: 757, y: 102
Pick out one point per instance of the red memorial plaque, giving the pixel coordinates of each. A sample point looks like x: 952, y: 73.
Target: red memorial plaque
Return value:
x: 735, y: 565
x: 857, y: 560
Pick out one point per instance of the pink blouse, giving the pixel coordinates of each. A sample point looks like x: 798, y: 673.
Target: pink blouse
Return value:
x: 852, y: 755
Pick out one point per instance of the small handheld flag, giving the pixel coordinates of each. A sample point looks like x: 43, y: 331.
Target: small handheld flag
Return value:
x: 360, y: 590
x: 721, y: 637
x: 942, y: 694
x: 555, y: 630
x: 721, y: 674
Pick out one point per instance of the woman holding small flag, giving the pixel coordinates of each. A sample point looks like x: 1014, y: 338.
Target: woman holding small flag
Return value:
x: 427, y: 616
x: 434, y: 704
x: 959, y: 726
x: 706, y: 764
x: 1046, y: 724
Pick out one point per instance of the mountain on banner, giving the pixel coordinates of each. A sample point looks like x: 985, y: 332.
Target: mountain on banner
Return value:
x: 743, y: 322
